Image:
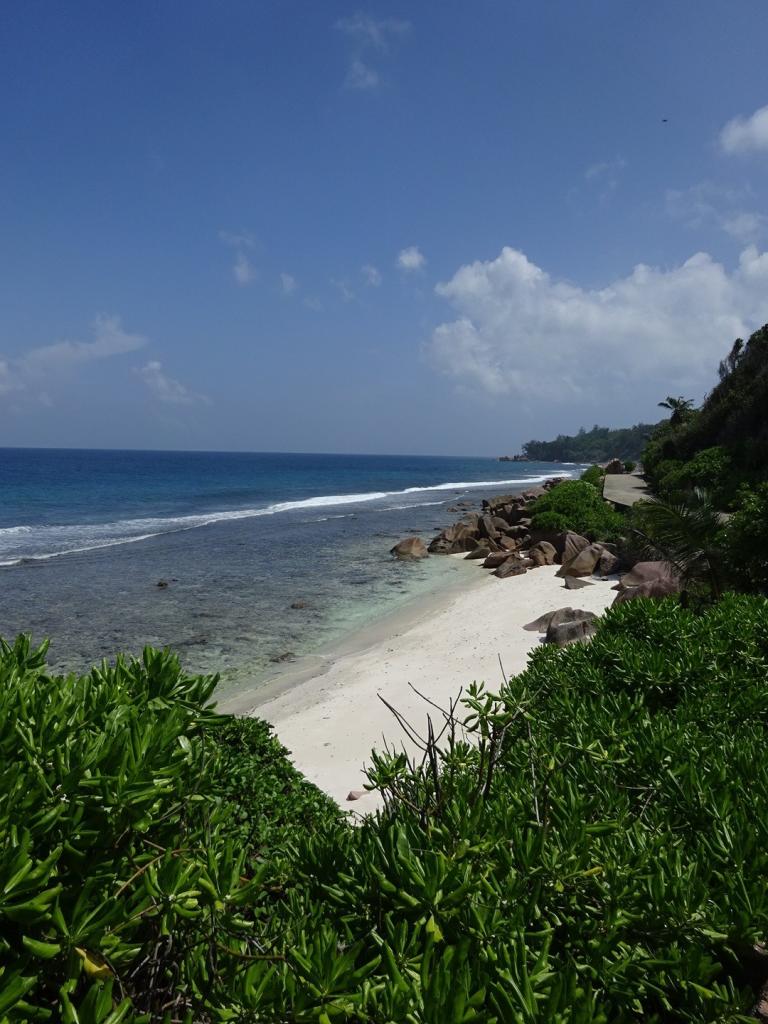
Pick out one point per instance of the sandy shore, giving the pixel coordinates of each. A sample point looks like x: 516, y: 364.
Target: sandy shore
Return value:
x: 329, y: 714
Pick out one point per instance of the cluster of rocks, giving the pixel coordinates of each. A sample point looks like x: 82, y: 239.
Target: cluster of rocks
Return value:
x: 502, y: 539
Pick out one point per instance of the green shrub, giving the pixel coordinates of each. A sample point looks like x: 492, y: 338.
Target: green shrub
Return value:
x: 708, y: 469
x: 551, y: 522
x: 746, y: 539
x: 594, y: 475
x: 126, y: 880
x: 610, y: 875
x: 594, y: 854
x: 578, y: 506
x: 630, y: 467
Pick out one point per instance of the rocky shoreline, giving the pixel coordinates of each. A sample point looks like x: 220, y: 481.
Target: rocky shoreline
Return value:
x: 502, y: 539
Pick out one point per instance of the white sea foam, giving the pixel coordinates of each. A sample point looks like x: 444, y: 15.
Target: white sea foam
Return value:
x: 56, y: 540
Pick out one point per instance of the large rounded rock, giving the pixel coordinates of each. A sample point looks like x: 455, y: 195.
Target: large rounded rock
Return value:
x: 519, y: 530
x: 513, y: 566
x: 480, y: 552
x: 569, y: 632
x: 439, y: 546
x: 510, y: 544
x: 495, y: 559
x: 487, y: 528
x: 646, y: 572
x: 653, y: 588
x: 573, y: 543
x: 410, y: 550
x: 459, y: 531
x: 543, y: 553
x: 608, y: 563
x: 560, y: 615
x: 614, y: 467
x: 582, y: 564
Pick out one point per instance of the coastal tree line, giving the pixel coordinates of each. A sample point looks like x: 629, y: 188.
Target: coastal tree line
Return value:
x: 596, y: 445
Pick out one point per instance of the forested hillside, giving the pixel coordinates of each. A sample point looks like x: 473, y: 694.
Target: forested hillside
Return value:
x: 596, y: 445
x: 723, y: 445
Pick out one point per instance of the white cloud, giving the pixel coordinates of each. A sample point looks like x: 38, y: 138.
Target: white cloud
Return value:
x: 361, y: 76
x: 605, y: 168
x: 288, y: 283
x: 109, y: 339
x: 411, y: 258
x: 48, y: 362
x: 368, y: 31
x: 744, y: 226
x: 368, y: 35
x: 706, y: 204
x: 167, y: 389
x: 371, y: 275
x: 243, y: 270
x: 743, y: 134
x: 519, y: 331
x: 238, y: 239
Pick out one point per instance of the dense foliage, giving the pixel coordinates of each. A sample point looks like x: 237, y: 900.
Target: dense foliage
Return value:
x: 595, y: 853
x: 595, y: 475
x: 130, y: 865
x: 576, y: 505
x: 746, y: 539
x: 724, y: 444
x: 596, y: 445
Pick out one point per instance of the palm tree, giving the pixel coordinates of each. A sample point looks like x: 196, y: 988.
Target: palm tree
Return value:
x: 679, y: 407
x: 689, y: 534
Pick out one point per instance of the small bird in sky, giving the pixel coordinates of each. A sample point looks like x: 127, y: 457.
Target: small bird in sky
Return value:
x: 664, y: 120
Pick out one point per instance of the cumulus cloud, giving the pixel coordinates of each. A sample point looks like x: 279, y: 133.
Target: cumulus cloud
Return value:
x: 37, y: 365
x: 371, y: 275
x: 288, y: 283
x: 411, y: 258
x: 167, y: 389
x: 746, y: 134
x: 520, y: 331
x: 368, y: 35
x: 706, y: 204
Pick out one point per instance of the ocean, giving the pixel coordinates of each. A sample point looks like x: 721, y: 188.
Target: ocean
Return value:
x: 239, y: 561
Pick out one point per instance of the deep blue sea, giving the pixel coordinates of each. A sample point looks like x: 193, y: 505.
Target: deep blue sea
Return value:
x: 86, y: 536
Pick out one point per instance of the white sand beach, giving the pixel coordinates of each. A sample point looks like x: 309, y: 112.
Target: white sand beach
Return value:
x: 330, y: 716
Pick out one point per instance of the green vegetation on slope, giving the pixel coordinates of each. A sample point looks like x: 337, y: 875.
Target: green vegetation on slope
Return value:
x: 596, y: 445
x: 724, y: 444
x: 595, y: 854
x: 577, y: 505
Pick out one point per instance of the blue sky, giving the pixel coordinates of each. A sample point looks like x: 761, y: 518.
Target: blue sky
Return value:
x: 320, y: 226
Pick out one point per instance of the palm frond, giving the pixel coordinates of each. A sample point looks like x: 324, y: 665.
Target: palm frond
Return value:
x: 688, y: 534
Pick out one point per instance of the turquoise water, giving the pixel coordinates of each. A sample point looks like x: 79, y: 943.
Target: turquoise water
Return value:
x: 85, y: 537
